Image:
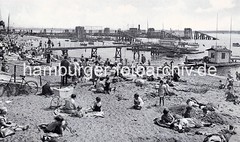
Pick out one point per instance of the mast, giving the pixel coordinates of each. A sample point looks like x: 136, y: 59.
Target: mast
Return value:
x: 8, y: 23
x: 147, y: 29
x: 216, y: 30
x: 0, y: 15
x: 231, y: 34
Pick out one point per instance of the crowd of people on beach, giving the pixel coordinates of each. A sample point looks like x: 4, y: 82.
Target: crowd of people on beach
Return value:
x: 104, y: 84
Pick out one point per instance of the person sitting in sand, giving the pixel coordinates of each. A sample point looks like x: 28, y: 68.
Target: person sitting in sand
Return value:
x: 168, y: 91
x: 169, y: 82
x: 107, y: 83
x: 187, y: 113
x: 54, y: 129
x: 167, y: 118
x: 231, y: 97
x: 5, y: 124
x: 150, y: 78
x: 70, y: 107
x: 221, y: 85
x: 138, y: 102
x: 230, y: 80
x: 46, y: 89
x: 177, y: 78
x: 97, y: 106
x: 99, y: 86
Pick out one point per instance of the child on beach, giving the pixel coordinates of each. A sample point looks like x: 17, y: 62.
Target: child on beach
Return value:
x: 138, y: 102
x: 97, y: 105
x: 70, y: 107
x: 221, y: 85
x: 161, y: 93
x: 8, y: 126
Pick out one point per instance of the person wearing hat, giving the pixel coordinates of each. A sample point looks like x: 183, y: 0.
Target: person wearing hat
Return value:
x: 138, y: 102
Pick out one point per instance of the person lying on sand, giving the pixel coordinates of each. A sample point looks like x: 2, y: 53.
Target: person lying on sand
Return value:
x: 223, y: 136
x: 54, y: 129
x: 8, y: 125
x: 192, y: 102
x: 138, y: 102
x: 184, y: 124
x: 70, y: 107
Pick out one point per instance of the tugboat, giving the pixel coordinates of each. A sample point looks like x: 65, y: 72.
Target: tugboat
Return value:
x: 236, y: 45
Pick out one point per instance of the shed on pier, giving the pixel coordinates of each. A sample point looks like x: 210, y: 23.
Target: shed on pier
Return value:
x: 219, y: 54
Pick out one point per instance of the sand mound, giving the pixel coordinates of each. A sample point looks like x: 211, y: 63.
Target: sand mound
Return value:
x: 211, y: 117
x: 179, y: 110
x: 215, y: 118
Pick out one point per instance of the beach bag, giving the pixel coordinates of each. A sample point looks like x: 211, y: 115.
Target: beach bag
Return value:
x: 4, y: 132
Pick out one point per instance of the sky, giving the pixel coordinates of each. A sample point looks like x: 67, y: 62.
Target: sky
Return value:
x: 94, y: 14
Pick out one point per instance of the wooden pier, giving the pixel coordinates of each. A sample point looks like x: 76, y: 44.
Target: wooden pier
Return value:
x: 203, y: 36
x: 118, y: 51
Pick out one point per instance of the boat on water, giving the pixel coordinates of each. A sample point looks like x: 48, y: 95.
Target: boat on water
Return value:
x: 188, y: 45
x: 218, y: 56
x: 91, y: 43
x: 174, y: 55
x: 168, y: 43
x: 83, y: 44
x: 236, y: 45
x: 118, y: 42
x: 74, y: 40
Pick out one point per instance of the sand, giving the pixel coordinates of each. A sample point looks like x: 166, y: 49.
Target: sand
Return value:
x: 121, y: 123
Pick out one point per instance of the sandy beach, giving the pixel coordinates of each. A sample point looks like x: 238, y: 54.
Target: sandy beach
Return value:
x: 120, y: 122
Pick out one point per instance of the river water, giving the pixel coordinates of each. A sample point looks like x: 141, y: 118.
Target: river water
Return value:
x: 224, y: 40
